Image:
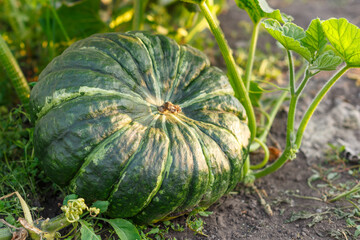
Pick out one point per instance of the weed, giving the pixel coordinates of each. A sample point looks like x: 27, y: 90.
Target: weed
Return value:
x: 159, y: 231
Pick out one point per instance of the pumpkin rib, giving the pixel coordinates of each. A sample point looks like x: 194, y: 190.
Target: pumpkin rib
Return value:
x: 113, y: 107
x: 174, y: 187
x: 204, y: 97
x: 165, y: 55
x: 198, y: 185
x: 211, y: 124
x: 93, y: 158
x: 191, y: 66
x: 176, y: 78
x: 111, y: 55
x: 114, y: 113
x: 214, y: 184
x: 135, y: 60
x: 53, y: 78
x: 142, y: 192
x: 57, y: 148
x: 120, y: 176
x: 206, y: 157
x: 218, y: 104
x: 84, y: 91
x: 144, y: 216
x: 234, y: 168
x: 209, y: 81
x: 231, y: 129
x: 156, y: 82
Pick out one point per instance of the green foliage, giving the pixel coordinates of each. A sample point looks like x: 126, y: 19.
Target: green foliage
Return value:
x: 19, y: 169
x: 289, y: 35
x: 87, y: 231
x: 159, y: 231
x: 102, y: 205
x: 314, y: 40
x: 327, y: 61
x: 195, y: 222
x: 84, y: 21
x: 123, y: 228
x: 69, y: 197
x: 345, y: 38
x: 259, y: 9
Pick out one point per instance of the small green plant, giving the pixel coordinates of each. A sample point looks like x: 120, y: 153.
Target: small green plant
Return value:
x: 324, y: 46
x: 195, y: 222
x: 76, y: 213
x: 159, y: 231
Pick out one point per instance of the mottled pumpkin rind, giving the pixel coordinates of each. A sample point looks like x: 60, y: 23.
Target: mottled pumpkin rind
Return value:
x: 99, y: 132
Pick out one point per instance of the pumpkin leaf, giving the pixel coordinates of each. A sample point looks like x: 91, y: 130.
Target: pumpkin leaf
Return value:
x: 327, y: 61
x: 87, y: 232
x: 259, y: 9
x: 345, y: 38
x: 123, y: 228
x: 80, y: 19
x: 289, y: 35
x: 102, y: 205
x: 315, y: 39
x: 69, y: 197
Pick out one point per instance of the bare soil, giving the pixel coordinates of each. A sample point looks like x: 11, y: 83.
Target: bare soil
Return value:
x: 337, y: 121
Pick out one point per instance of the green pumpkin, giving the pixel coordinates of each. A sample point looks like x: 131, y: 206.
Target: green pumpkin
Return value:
x: 140, y: 121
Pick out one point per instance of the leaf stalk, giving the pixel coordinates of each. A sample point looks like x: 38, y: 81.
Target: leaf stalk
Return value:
x: 234, y: 75
x: 251, y: 55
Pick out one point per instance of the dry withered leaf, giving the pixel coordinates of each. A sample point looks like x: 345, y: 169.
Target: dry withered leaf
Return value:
x: 20, y: 234
x: 274, y: 153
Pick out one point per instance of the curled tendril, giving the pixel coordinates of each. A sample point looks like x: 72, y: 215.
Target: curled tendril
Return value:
x: 293, y: 153
x: 75, y: 208
x: 94, y: 211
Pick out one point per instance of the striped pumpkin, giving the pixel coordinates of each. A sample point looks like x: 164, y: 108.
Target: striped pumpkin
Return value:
x: 140, y: 121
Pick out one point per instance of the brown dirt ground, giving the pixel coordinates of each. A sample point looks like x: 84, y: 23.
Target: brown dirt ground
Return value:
x: 240, y: 215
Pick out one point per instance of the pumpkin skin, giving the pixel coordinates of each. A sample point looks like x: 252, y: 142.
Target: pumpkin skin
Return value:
x: 102, y: 130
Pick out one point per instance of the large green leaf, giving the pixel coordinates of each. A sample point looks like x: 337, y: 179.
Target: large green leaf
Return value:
x: 345, y: 38
x: 124, y: 229
x: 259, y: 9
x: 80, y: 19
x: 315, y: 39
x: 102, y: 205
x: 69, y: 197
x: 87, y: 232
x: 288, y: 35
x: 327, y: 61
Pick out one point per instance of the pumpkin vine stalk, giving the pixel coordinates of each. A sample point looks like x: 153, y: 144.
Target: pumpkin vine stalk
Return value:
x: 293, y: 142
x: 234, y: 75
x: 12, y: 69
x: 139, y: 7
x: 49, y: 228
x: 251, y: 55
x: 310, y: 111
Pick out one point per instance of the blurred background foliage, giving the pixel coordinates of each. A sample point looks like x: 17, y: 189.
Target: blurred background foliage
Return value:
x: 38, y: 30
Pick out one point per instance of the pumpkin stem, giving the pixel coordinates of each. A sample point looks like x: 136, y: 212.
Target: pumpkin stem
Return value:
x: 169, y: 107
